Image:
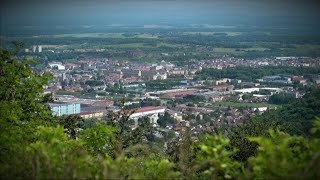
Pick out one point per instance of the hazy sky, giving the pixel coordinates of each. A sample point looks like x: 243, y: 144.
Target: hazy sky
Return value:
x: 103, y: 12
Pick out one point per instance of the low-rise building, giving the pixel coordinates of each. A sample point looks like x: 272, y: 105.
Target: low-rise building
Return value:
x: 90, y: 115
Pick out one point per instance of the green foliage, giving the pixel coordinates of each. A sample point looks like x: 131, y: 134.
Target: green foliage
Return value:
x: 247, y: 96
x: 53, y: 155
x: 280, y: 99
x: 71, y: 123
x: 162, y: 84
x: 99, y: 140
x: 238, y: 138
x: 285, y: 157
x: 297, y: 117
x: 165, y: 119
x: 316, y: 128
x: 163, y: 169
x: 213, y: 160
x: 94, y: 83
x: 144, y: 133
x: 15, y: 137
x: 185, y: 154
x: 149, y: 167
x: 150, y: 102
x: 193, y: 99
x: 251, y: 74
x: 20, y: 90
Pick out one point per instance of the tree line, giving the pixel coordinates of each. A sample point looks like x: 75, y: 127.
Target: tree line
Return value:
x: 253, y: 73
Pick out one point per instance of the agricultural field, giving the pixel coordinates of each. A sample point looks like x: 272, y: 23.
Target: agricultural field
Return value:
x: 105, y: 35
x: 90, y: 35
x: 154, y: 42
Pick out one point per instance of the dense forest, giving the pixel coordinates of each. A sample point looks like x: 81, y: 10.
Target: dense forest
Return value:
x: 279, y: 144
x: 251, y: 74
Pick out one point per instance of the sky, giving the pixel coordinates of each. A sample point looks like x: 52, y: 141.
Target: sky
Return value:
x: 107, y: 12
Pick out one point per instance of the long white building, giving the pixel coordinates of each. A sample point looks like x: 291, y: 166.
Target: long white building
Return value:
x: 251, y: 90
x: 150, y: 111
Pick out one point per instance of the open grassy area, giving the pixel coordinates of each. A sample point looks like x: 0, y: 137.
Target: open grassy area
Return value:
x: 169, y: 45
x: 141, y: 45
x: 54, y: 46
x: 91, y: 35
x: 105, y: 35
x: 255, y: 49
x: 236, y: 51
x: 239, y: 104
x: 226, y: 51
x: 129, y: 45
x: 315, y: 47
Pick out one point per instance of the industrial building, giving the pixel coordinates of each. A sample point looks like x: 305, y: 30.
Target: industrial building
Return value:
x: 60, y: 109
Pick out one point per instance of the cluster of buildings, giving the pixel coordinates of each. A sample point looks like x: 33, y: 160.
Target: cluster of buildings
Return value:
x: 226, y: 61
x: 192, y: 103
x: 289, y: 79
x: 34, y: 49
x: 107, y: 73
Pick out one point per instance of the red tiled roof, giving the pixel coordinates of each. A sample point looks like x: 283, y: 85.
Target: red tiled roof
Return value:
x: 87, y: 113
x: 149, y: 108
x: 102, y: 102
x: 180, y: 93
x: 296, y: 78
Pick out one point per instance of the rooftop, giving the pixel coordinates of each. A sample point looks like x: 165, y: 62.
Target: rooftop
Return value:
x: 149, y: 108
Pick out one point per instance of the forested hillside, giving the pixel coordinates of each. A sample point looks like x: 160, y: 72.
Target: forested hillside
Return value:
x: 280, y: 144
x: 251, y: 74
x: 297, y: 117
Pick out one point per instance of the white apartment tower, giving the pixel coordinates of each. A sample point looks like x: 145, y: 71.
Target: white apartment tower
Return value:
x: 39, y: 49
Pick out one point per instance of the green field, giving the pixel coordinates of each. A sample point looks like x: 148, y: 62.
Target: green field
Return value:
x: 169, y: 45
x: 255, y: 49
x: 91, y: 35
x: 226, y: 51
x: 129, y: 45
x: 211, y: 43
x: 141, y: 45
x: 104, y: 35
x: 236, y: 51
